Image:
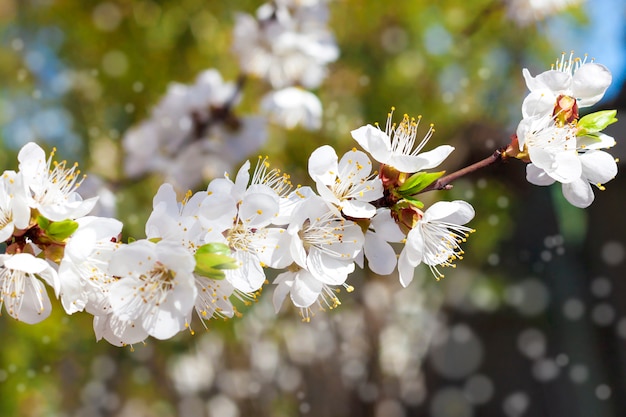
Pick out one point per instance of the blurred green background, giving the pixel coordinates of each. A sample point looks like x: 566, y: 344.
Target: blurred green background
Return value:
x: 531, y: 323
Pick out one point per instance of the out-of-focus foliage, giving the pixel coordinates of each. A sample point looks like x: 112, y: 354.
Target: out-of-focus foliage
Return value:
x: 77, y: 74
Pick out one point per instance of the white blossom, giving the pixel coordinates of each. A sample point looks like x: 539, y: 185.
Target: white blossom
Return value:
x: 190, y: 135
x: 435, y: 240
x: 293, y: 106
x: 551, y: 148
x: 156, y: 288
x: 347, y: 183
x: 322, y: 242
x: 242, y: 223
x: 85, y: 280
x: 14, y: 210
x: 597, y: 168
x: 305, y: 291
x: 396, y: 145
x: 285, y: 44
x: 586, y: 82
x: 51, y: 187
x: 380, y: 255
x: 179, y: 223
x: 21, y: 289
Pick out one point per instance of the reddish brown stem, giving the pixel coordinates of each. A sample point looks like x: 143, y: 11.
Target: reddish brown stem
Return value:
x: 445, y: 183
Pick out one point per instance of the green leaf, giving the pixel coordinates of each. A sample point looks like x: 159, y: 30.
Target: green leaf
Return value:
x: 414, y: 202
x: 43, y: 223
x: 212, y: 259
x: 596, y: 122
x: 61, y: 230
x: 418, y: 181
x: 57, y: 231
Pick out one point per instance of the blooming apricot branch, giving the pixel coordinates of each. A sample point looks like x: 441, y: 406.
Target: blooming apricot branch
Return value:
x: 216, y: 245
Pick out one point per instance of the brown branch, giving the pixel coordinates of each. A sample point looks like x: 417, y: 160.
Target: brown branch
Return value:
x: 444, y: 183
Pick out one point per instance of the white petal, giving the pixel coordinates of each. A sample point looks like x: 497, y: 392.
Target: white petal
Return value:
x: 327, y: 194
x: 422, y: 161
x: 250, y: 276
x: 242, y: 179
x: 176, y: 258
x: 380, y: 255
x: 456, y: 212
x: 323, y: 165
x: 578, y: 193
x: 590, y: 82
x: 32, y: 162
x: 558, y: 82
x: 170, y: 317
x: 405, y: 269
x: 414, y: 246
x: 297, y: 251
x: 284, y: 283
x: 7, y: 231
x: 568, y: 167
x: 117, y: 332
x: 71, y: 294
x: 27, y: 263
x: 327, y: 269
x: 538, y: 176
x: 599, y: 167
x: 386, y: 226
x: 538, y: 103
x: 355, y: 164
x: 305, y: 289
x: 34, y: 305
x: 358, y: 209
x: 121, y: 295
x: 374, y: 141
x: 274, y: 251
x: 258, y: 209
x: 68, y: 210
x: 134, y: 258
x: 601, y: 141
x: 218, y: 210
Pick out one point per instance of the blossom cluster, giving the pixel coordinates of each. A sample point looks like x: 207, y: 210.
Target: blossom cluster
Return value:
x: 559, y: 145
x: 217, y: 244
x: 193, y: 134
x: 205, y: 254
x: 287, y: 44
x: 210, y: 251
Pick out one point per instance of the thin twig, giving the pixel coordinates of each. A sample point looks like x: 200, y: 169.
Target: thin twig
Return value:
x: 445, y: 183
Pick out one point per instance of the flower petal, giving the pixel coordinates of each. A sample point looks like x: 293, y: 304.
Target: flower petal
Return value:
x: 374, y: 141
x: 33, y: 305
x: 422, y: 161
x: 380, y: 255
x: 406, y: 269
x: 456, y: 212
x: 578, y: 193
x: 305, y: 289
x: 589, y: 83
x: 538, y: 176
x: 599, y: 167
x: 598, y: 141
x: 323, y: 165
